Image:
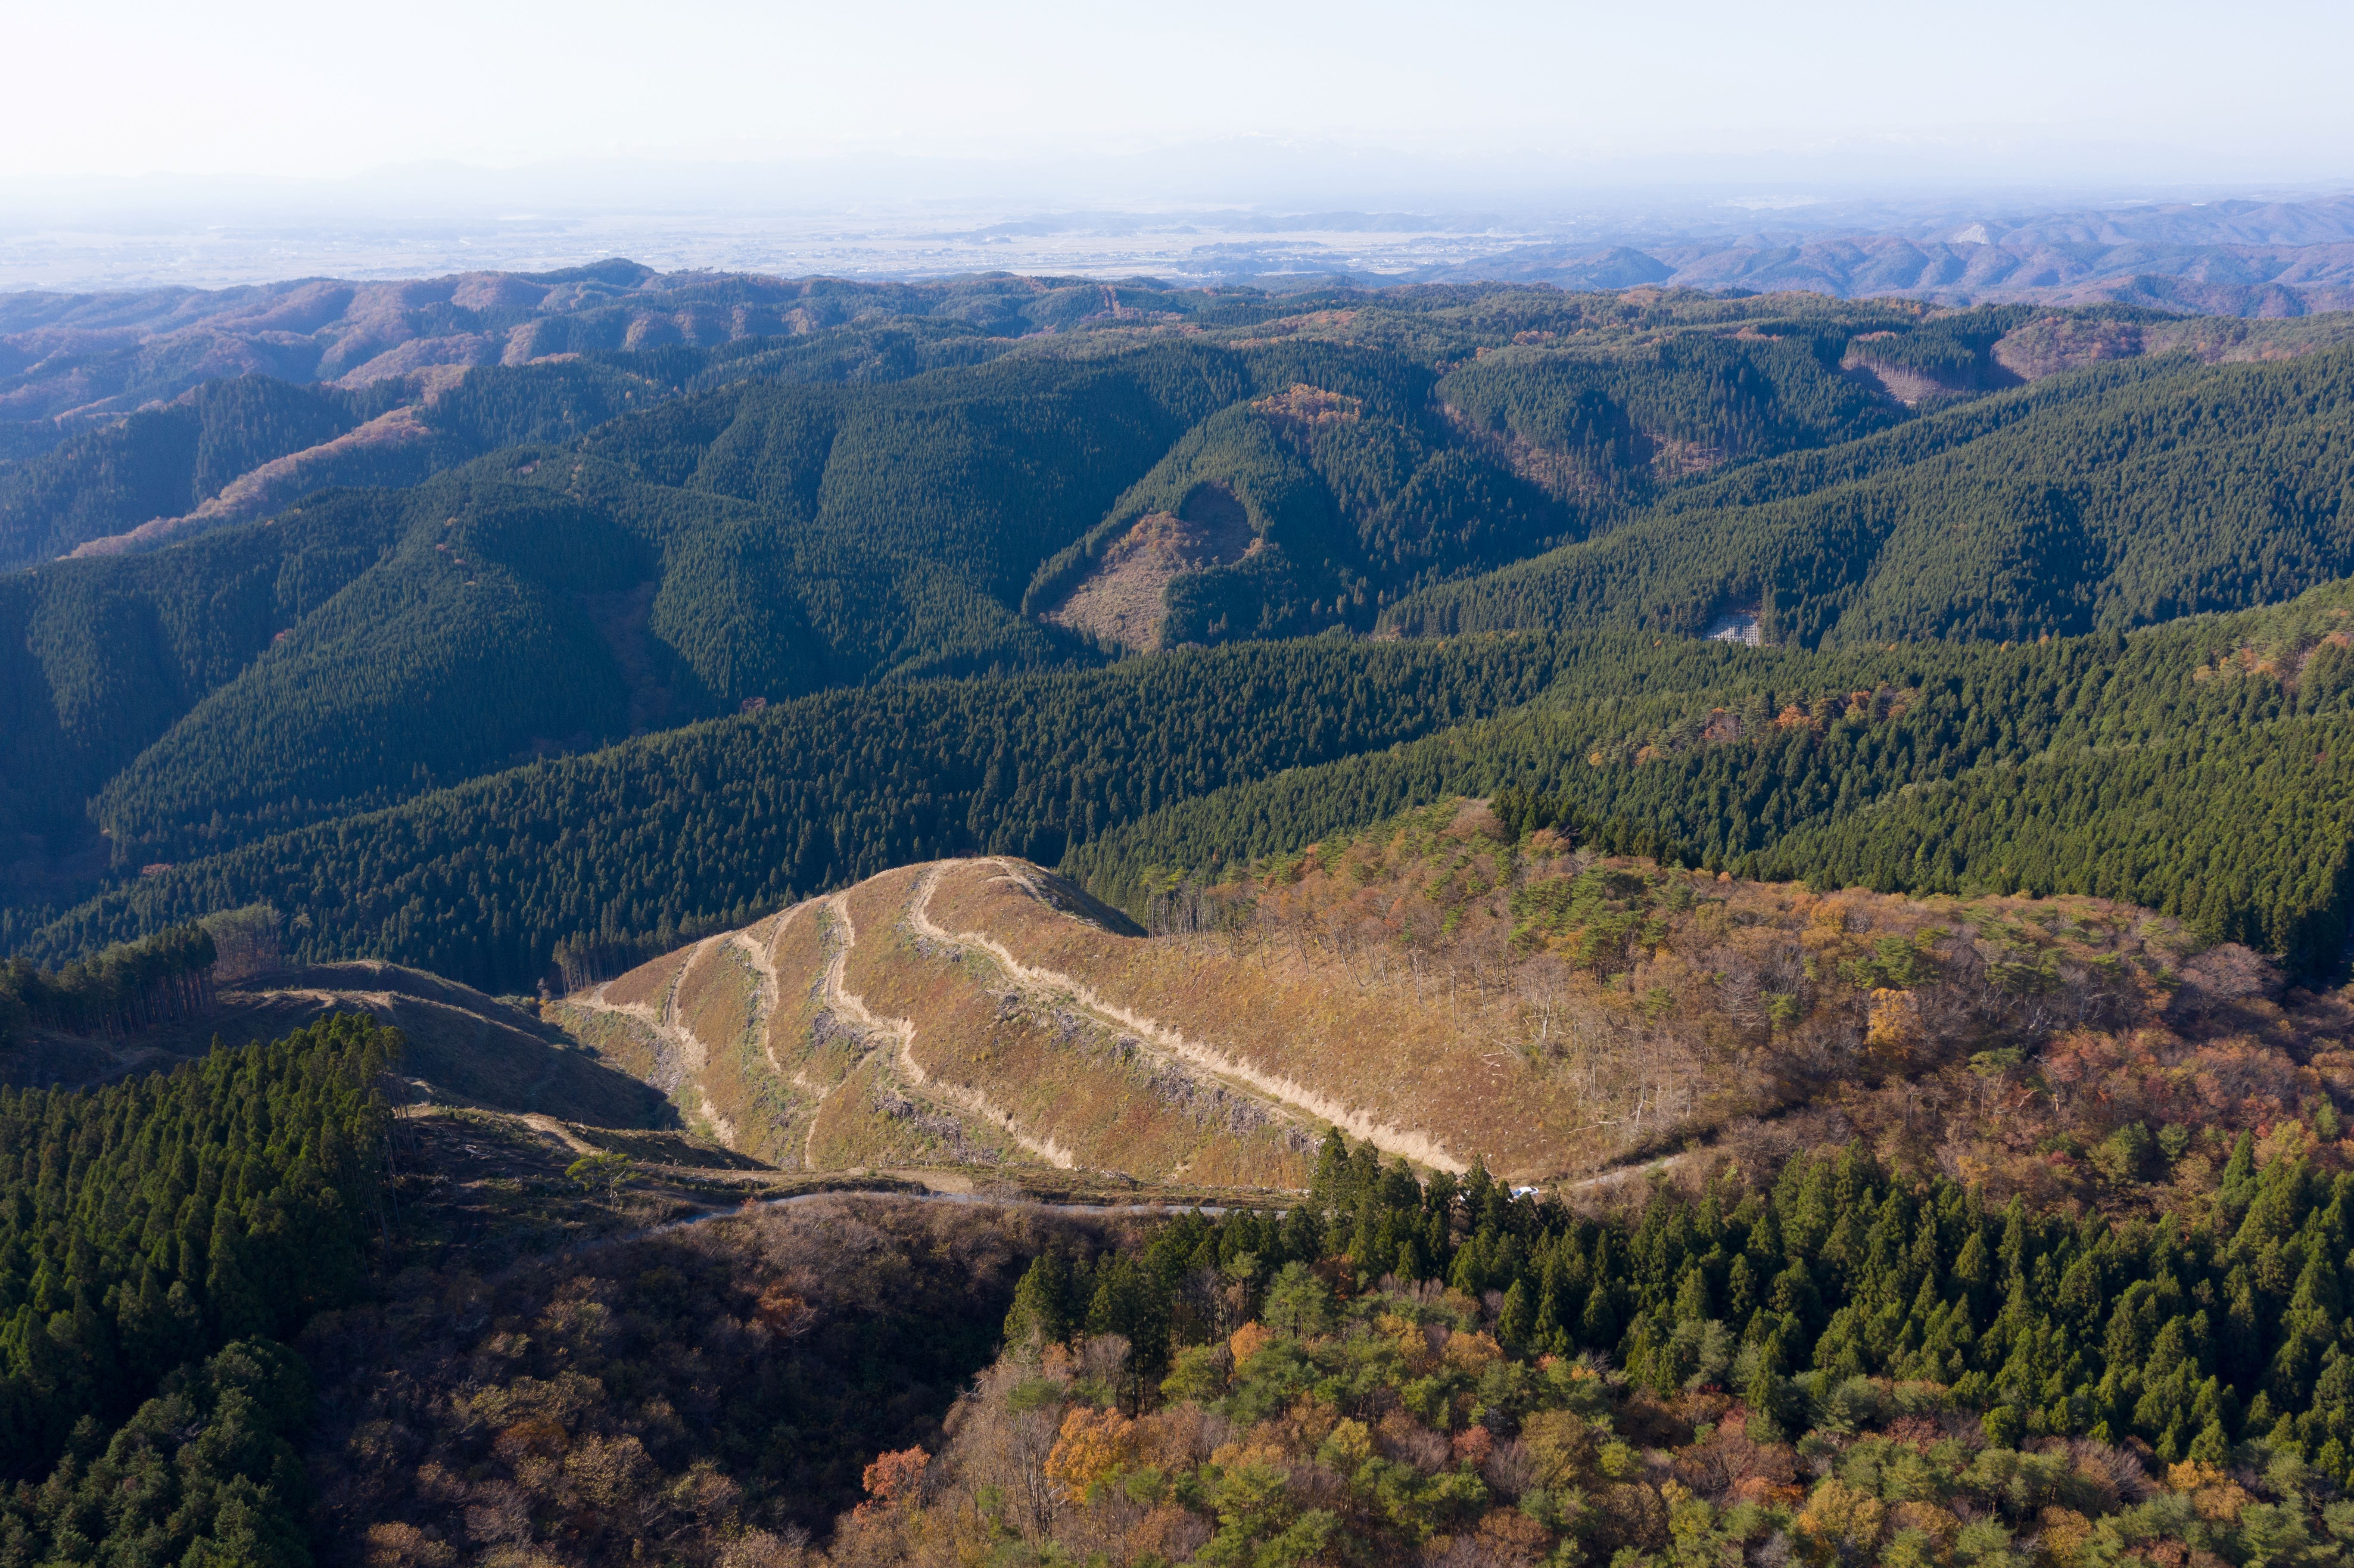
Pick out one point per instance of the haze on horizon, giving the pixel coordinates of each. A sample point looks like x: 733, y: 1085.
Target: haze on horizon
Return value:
x: 1222, y: 100
x: 259, y: 139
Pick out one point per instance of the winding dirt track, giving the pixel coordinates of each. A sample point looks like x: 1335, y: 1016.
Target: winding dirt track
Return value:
x: 772, y: 998
x: 972, y: 1101
x: 1285, y: 1097
x: 1296, y: 1097
x: 663, y: 1020
x: 981, y: 1200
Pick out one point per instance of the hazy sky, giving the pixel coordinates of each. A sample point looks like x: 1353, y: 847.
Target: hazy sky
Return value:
x: 2149, y: 90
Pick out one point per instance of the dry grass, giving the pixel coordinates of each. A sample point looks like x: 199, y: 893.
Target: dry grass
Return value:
x: 463, y: 1048
x: 646, y: 985
x: 1123, y: 601
x: 1013, y: 1054
x: 1457, y: 996
x: 914, y: 1051
x: 1402, y: 1063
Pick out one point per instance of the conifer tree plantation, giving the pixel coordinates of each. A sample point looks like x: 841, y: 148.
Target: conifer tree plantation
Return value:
x: 1029, y: 921
x: 1838, y: 1365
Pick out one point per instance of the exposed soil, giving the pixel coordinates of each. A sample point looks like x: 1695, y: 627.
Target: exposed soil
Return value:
x: 1123, y: 600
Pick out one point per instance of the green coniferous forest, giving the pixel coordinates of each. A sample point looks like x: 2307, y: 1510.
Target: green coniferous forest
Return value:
x: 1433, y: 1359
x: 2187, y: 767
x: 155, y: 1221
x: 2143, y: 497
x: 604, y: 654
x: 689, y: 531
x: 759, y: 808
x: 155, y: 1236
x: 2105, y: 765
x: 874, y: 502
x: 128, y: 987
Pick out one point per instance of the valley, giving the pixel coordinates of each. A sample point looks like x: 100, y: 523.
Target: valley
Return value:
x: 790, y: 924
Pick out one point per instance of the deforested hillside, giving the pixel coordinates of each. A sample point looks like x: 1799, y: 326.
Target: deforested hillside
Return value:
x: 225, y: 1299
x: 1468, y: 984
x: 1830, y: 1333
x: 463, y: 1047
x: 857, y: 1031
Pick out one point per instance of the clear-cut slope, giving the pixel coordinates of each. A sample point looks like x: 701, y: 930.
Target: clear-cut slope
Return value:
x: 879, y: 1026
x: 1452, y: 992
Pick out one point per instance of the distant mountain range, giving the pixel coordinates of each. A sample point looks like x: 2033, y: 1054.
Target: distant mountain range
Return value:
x: 2221, y: 257
x: 2205, y: 280
x: 73, y: 357
x: 79, y: 357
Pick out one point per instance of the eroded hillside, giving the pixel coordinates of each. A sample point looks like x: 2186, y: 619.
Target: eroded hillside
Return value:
x: 462, y: 1047
x: 1459, y: 987
x: 890, y: 1024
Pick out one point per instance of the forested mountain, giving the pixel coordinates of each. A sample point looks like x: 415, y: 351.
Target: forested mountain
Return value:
x: 872, y: 531
x: 1231, y: 745
x: 2146, y: 496
x: 232, y: 450
x: 813, y: 512
x: 806, y: 795
x: 1179, y: 765
x: 226, y: 1200
x: 785, y: 515
x: 1843, y: 1364
x: 1016, y: 740
x: 2192, y: 767
x: 1834, y: 1352
x: 156, y: 1238
x: 87, y: 476
x: 66, y: 359
x: 164, y: 462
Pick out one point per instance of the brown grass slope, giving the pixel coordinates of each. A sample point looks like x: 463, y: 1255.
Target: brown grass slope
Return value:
x: 463, y: 1047
x: 1124, y: 601
x: 1453, y: 995
x: 851, y: 1030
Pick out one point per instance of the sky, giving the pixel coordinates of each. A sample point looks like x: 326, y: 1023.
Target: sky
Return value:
x: 1207, y: 100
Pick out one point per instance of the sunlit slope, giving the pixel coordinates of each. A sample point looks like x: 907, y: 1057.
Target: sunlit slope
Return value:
x: 857, y: 1030
x: 1448, y: 989
x: 2118, y: 498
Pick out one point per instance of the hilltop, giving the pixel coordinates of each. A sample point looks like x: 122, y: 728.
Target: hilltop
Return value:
x: 463, y: 1048
x: 1453, y: 992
